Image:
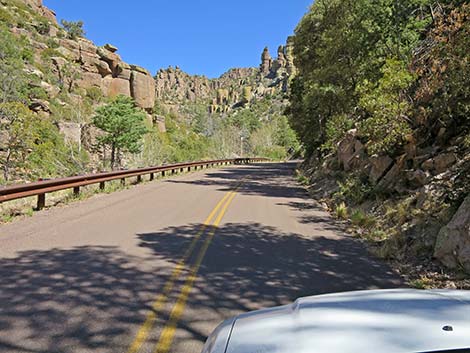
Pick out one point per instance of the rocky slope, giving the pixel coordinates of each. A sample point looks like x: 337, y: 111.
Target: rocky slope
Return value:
x: 70, y: 76
x: 84, y: 66
x: 99, y: 67
x: 74, y: 67
x: 235, y: 88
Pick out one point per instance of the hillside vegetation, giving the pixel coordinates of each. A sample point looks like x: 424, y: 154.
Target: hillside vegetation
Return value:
x: 381, y: 103
x: 56, y: 84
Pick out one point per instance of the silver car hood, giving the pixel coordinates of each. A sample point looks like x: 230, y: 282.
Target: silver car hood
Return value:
x: 385, y: 321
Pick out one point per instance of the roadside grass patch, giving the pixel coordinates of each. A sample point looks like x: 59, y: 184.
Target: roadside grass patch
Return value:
x: 341, y: 211
x: 361, y: 219
x: 421, y: 283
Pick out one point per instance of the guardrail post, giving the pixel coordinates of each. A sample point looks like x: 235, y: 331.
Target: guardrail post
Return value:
x: 173, y: 171
x: 41, y: 201
x: 123, y: 181
x: 163, y: 173
x: 139, y: 179
x: 181, y: 170
x: 76, y: 191
x: 189, y: 169
x: 152, y: 176
x: 102, y: 184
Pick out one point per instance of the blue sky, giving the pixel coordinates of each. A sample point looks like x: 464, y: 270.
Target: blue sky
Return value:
x: 201, y: 36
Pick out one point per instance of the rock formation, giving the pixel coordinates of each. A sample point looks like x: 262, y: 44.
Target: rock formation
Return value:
x: 88, y: 65
x: 235, y: 88
x: 266, y: 62
x: 453, y: 241
x: 40, y: 9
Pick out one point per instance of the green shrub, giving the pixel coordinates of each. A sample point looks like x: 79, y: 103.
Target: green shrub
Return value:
x: 43, y: 27
x: 52, y: 43
x: 361, y: 219
x: 74, y: 29
x: 386, y: 126
x: 48, y: 53
x: 353, y: 189
x: 336, y: 129
x: 5, y: 16
x: 95, y: 94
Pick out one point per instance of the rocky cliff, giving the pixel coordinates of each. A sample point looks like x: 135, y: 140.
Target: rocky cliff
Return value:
x: 78, y: 62
x: 233, y: 89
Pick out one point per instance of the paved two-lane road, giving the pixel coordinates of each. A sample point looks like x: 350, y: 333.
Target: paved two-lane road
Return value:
x: 156, y: 267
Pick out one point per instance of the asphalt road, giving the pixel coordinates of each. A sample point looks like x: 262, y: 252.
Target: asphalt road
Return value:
x: 156, y: 267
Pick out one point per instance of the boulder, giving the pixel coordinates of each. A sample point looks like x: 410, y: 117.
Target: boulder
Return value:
x: 90, y: 62
x: 89, y: 136
x: 393, y: 174
x: 380, y: 165
x: 33, y: 71
x: 65, y: 53
x: 443, y: 161
x: 103, y: 68
x: 143, y: 89
x: 160, y: 122
x: 89, y: 79
x: 113, y: 86
x: 109, y: 57
x: 124, y: 71
x: 53, y: 31
x: 39, y: 105
x: 350, y: 151
x: 453, y: 242
x: 111, y: 48
x: 417, y: 178
x: 71, y: 131
x: 139, y: 69
x: 87, y: 46
x: 51, y: 90
x: 73, y: 48
x: 39, y: 45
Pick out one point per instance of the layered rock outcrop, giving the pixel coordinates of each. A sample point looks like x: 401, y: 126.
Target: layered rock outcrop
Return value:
x: 235, y: 88
x: 80, y: 63
x: 175, y: 85
x: 40, y: 9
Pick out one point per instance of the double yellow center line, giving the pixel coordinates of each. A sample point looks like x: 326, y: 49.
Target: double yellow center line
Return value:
x: 166, y: 338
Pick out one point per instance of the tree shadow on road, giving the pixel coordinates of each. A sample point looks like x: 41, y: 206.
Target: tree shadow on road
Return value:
x: 82, y: 299
x: 251, y: 266
x: 266, y: 179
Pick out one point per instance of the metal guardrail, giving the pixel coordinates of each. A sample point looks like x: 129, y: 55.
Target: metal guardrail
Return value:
x: 41, y: 188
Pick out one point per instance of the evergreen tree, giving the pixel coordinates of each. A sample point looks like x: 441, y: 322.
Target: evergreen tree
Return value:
x: 123, y: 125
